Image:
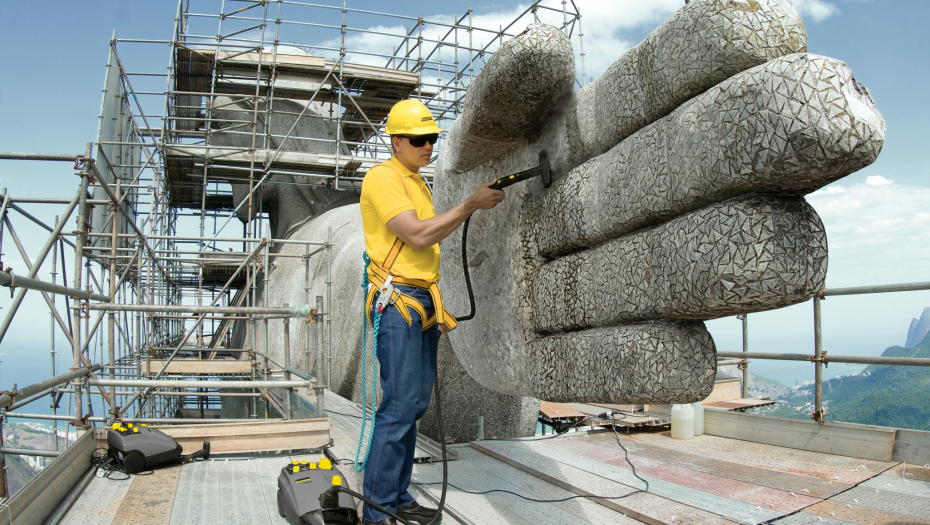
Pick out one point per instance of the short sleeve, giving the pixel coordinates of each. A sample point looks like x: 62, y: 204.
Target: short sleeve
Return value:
x: 386, y: 194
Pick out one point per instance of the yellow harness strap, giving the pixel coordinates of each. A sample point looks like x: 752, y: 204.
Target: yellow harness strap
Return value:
x: 381, y: 273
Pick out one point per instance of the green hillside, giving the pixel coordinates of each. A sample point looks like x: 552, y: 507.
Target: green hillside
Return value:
x: 891, y: 396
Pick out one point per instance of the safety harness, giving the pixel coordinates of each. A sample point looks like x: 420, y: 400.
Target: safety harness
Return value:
x: 382, y: 282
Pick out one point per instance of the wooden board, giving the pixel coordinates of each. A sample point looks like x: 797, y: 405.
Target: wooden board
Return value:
x: 645, y: 507
x: 201, y: 366
x: 861, y: 515
x: 748, y: 494
x: 910, y: 472
x: 844, y: 439
x: 557, y: 411
x: 725, y: 465
x: 725, y: 390
x: 150, y: 499
x: 260, y: 436
x: 739, y: 404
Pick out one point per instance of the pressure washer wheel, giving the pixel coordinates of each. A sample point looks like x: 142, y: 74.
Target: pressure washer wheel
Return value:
x: 133, y: 462
x: 281, y: 504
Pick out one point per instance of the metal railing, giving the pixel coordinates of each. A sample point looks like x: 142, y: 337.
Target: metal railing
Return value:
x: 820, y: 357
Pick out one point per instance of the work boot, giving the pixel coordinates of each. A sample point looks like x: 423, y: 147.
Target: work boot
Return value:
x: 385, y: 521
x: 418, y: 513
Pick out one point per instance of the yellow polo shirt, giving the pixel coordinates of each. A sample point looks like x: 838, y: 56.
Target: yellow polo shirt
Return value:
x: 388, y: 190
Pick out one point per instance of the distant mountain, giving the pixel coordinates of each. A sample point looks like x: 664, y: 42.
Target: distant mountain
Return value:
x: 918, y: 330
x: 21, y: 469
x: 890, y: 396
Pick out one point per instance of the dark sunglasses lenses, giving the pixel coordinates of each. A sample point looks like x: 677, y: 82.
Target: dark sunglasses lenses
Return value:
x: 420, y: 140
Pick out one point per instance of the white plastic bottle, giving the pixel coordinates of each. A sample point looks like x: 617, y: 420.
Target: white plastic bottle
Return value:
x: 698, y: 418
x: 682, y: 422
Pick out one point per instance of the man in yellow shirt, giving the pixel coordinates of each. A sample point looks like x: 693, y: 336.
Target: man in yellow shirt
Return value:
x: 402, y: 234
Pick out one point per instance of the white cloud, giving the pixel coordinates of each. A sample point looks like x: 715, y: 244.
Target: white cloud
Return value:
x: 878, y: 232
x: 604, y: 25
x: 877, y: 180
x: 816, y: 9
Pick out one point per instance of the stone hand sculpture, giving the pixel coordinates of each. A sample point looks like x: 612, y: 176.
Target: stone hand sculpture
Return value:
x: 679, y: 198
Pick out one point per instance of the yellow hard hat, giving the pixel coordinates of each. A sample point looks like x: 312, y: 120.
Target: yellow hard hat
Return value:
x: 410, y: 117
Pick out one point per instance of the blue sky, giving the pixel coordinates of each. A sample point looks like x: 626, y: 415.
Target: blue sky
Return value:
x: 877, y: 220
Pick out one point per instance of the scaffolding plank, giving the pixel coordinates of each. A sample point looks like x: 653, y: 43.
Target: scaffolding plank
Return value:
x: 901, y: 486
x: 479, y: 472
x: 646, y: 507
x: 827, y: 467
x: 909, y: 471
x: 266, y: 470
x: 258, y: 436
x: 555, y: 411
x: 842, y: 439
x: 240, y: 491
x: 150, y: 498
x: 886, y: 501
x: 719, y: 464
x: 202, y: 366
x: 748, y: 493
x: 99, y: 502
x: 862, y: 515
x: 197, y: 499
x: 804, y: 518
x: 723, y: 506
x: 739, y: 404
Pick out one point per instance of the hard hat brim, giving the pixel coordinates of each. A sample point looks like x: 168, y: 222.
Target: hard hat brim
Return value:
x: 429, y: 130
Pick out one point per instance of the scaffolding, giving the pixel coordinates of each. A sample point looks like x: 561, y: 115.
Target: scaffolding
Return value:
x: 146, y: 288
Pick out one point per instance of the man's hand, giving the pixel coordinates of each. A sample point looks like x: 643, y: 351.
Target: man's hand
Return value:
x: 443, y: 329
x: 486, y: 198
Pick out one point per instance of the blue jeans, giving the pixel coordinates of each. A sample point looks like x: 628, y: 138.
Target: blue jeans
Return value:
x: 407, y: 359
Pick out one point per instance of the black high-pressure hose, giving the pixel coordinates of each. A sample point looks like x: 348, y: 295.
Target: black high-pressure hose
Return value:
x: 541, y: 170
x: 471, y: 294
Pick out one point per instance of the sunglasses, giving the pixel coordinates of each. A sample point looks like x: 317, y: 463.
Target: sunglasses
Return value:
x: 418, y: 141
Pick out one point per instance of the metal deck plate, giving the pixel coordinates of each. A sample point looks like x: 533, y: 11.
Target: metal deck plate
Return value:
x: 767, y: 478
x: 912, y: 472
x: 896, y: 484
x: 150, y: 498
x: 731, y: 508
x: 803, y: 518
x: 241, y: 492
x: 267, y: 470
x: 748, y: 493
x: 197, y: 500
x: 886, y: 500
x: 572, y: 477
x: 99, y: 502
x: 771, y: 457
x: 863, y: 515
x: 478, y: 472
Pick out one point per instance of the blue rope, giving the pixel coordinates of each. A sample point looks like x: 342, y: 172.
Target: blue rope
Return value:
x: 368, y: 409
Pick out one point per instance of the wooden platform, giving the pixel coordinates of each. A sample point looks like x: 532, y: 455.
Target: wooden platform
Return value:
x: 706, y: 480
x: 558, y: 414
x: 702, y: 481
x: 718, y: 480
x: 740, y: 405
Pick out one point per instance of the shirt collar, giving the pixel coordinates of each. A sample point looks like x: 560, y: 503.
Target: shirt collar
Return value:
x: 399, y: 166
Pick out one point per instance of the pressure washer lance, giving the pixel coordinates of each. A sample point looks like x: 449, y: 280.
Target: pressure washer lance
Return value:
x: 541, y: 170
